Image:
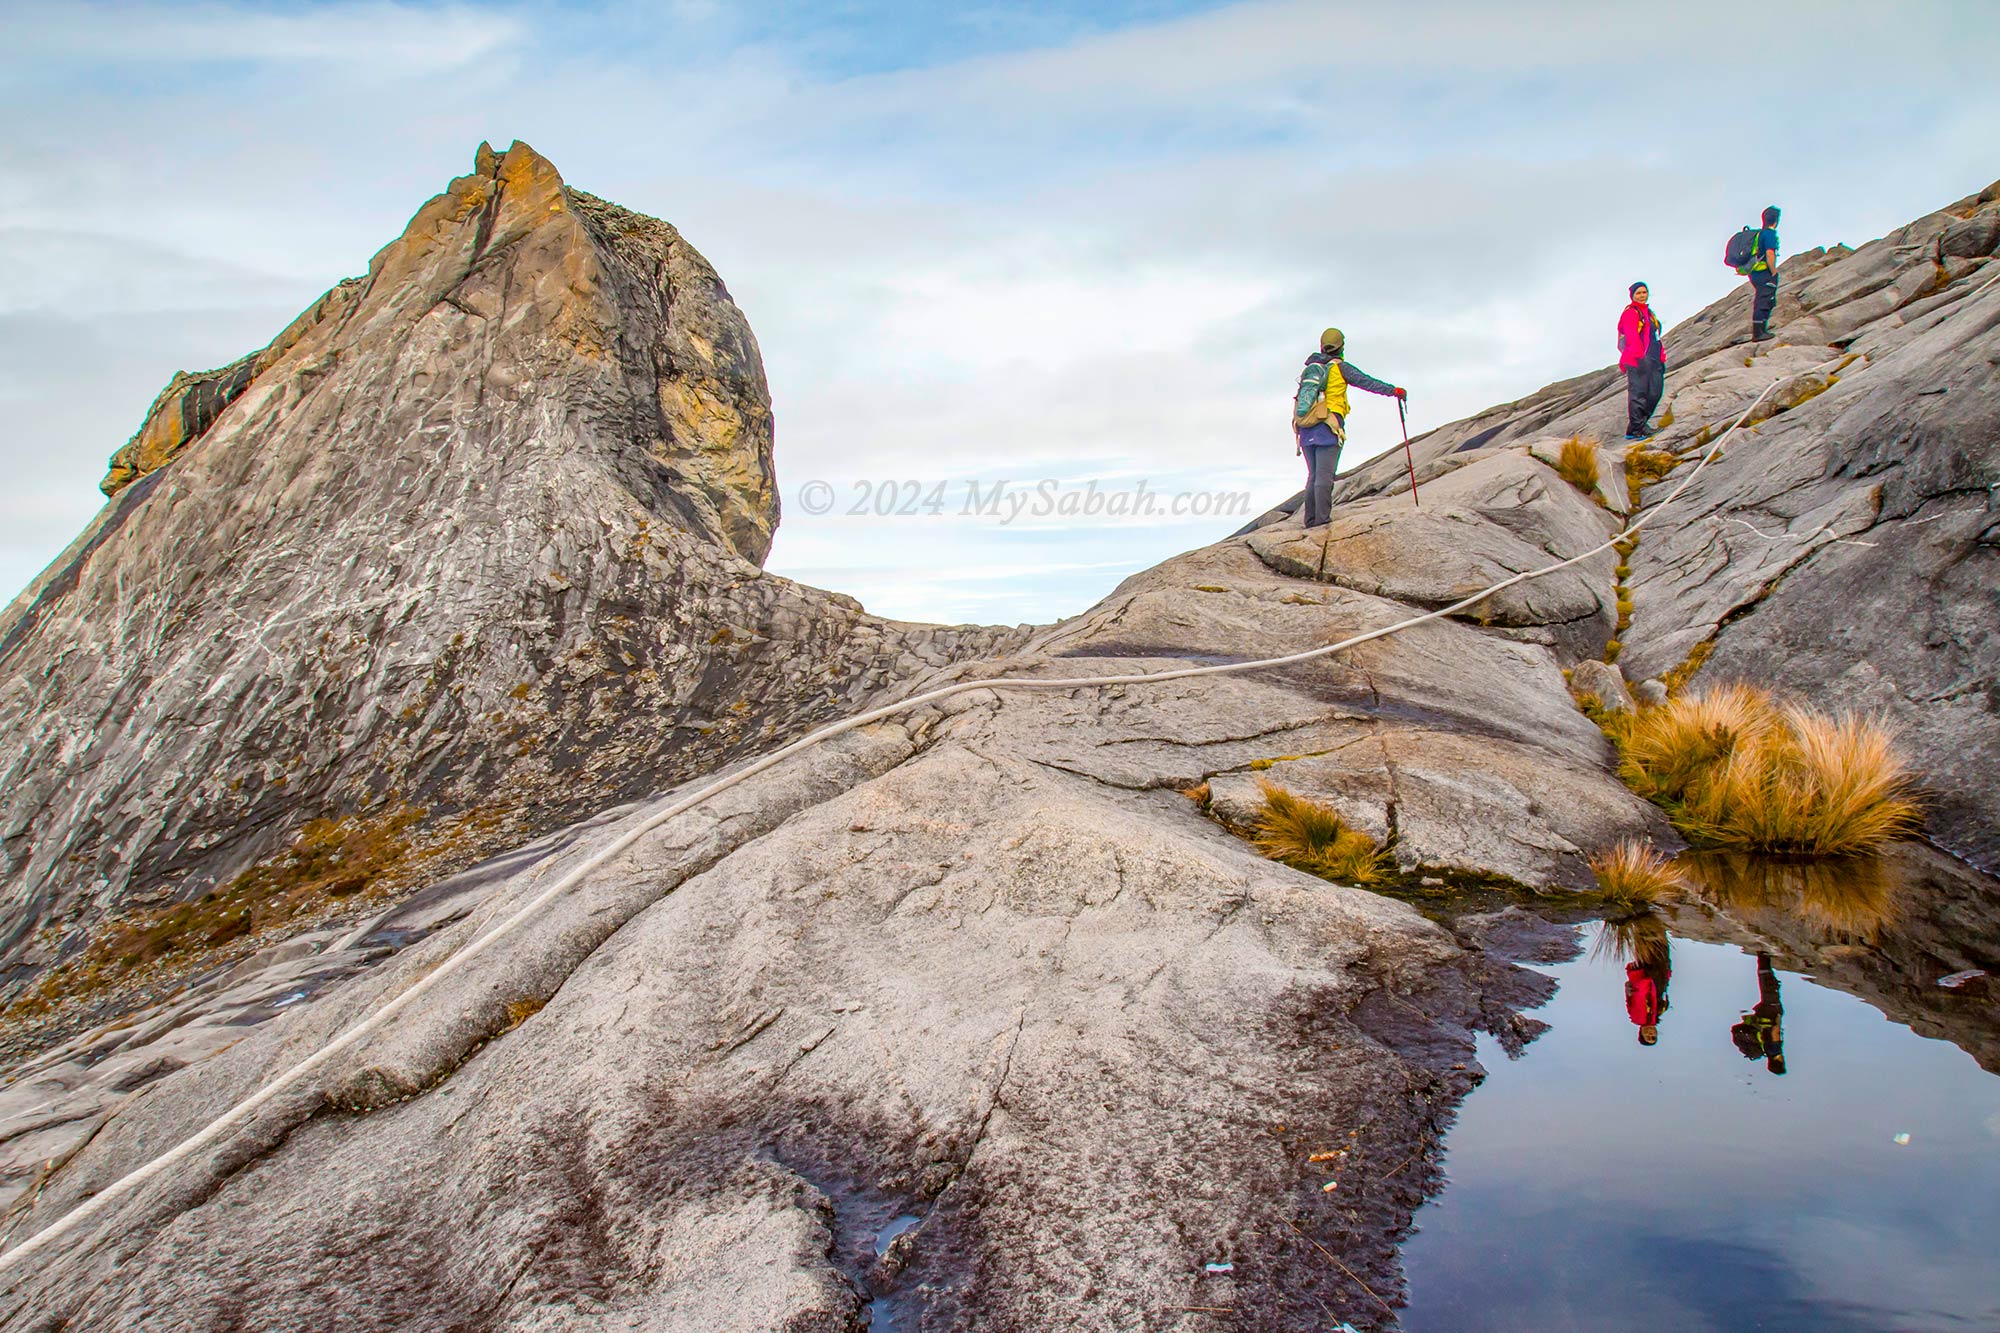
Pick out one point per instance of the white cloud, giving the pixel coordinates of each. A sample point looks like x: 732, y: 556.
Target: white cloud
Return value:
x: 370, y: 40
x: 78, y: 273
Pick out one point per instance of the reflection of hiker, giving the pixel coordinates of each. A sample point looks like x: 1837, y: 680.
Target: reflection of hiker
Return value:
x: 1646, y: 978
x: 1761, y: 1034
x: 1643, y: 358
x: 1763, y: 275
x: 1319, y: 418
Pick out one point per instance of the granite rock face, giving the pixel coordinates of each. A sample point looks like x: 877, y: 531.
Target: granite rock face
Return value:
x: 553, y: 298
x: 477, y: 535
x: 987, y: 969
x: 994, y: 970
x: 1501, y: 515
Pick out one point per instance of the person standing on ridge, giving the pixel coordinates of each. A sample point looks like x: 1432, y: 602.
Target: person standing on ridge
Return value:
x: 1763, y: 275
x: 1319, y: 418
x: 1643, y: 358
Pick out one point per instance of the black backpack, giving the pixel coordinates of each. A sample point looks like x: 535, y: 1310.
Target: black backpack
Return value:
x: 1741, y: 252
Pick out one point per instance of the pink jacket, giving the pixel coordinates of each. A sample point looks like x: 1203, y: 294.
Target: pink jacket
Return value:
x: 1642, y: 995
x: 1638, y: 333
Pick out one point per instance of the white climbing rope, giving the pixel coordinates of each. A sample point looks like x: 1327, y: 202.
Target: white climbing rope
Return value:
x: 236, y: 1114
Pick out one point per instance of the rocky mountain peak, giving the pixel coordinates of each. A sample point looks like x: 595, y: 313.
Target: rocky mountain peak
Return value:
x: 470, y: 548
x: 546, y: 292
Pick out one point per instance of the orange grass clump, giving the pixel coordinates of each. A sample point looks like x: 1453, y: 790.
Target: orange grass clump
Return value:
x: 1734, y: 768
x: 1632, y: 877
x: 1577, y: 464
x: 1312, y: 837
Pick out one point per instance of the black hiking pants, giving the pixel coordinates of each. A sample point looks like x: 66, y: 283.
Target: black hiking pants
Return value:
x: 1644, y: 383
x: 1763, y: 298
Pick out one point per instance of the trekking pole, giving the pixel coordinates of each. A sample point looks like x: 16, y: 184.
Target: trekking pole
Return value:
x: 1403, y: 411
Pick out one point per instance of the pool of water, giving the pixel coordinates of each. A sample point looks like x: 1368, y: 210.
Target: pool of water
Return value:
x: 1601, y: 1183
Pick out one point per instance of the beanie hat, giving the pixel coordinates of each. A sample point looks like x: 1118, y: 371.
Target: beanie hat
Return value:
x: 1333, y: 340
x: 1633, y: 290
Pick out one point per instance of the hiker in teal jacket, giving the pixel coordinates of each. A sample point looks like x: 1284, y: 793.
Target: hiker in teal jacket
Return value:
x: 1763, y: 275
x: 1761, y: 1034
x: 1319, y: 418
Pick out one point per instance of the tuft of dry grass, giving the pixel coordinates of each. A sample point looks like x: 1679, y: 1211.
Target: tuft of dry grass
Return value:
x: 1577, y: 464
x: 1734, y: 768
x: 1667, y: 751
x: 1312, y: 837
x: 1645, y: 466
x: 1633, y: 876
x: 1613, y: 647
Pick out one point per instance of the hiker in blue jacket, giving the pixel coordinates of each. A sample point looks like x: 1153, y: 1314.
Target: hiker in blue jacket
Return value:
x: 1319, y: 418
x: 1761, y: 1034
x: 1763, y: 275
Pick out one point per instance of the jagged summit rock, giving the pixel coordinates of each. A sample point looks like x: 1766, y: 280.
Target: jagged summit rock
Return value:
x: 476, y: 536
x: 508, y: 296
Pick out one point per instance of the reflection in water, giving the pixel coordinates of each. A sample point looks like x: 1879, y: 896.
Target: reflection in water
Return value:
x: 1640, y: 941
x: 1890, y: 929
x: 1855, y: 896
x: 1592, y: 1186
x: 1761, y: 1033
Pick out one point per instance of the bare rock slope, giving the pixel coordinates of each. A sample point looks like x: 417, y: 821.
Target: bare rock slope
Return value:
x: 986, y: 969
x: 1847, y: 549
x: 477, y: 537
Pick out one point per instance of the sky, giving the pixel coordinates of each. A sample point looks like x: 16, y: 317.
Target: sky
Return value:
x: 1061, y: 248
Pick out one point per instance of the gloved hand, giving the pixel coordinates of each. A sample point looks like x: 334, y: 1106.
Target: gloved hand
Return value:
x: 1402, y: 393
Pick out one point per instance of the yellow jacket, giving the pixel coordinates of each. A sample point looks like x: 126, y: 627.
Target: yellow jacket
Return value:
x: 1336, y: 390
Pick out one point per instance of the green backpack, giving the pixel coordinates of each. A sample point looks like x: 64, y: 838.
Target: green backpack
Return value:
x: 1309, y: 406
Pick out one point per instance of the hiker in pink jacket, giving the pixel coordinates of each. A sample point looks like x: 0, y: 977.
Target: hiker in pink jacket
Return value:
x: 1647, y: 977
x: 1643, y: 358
